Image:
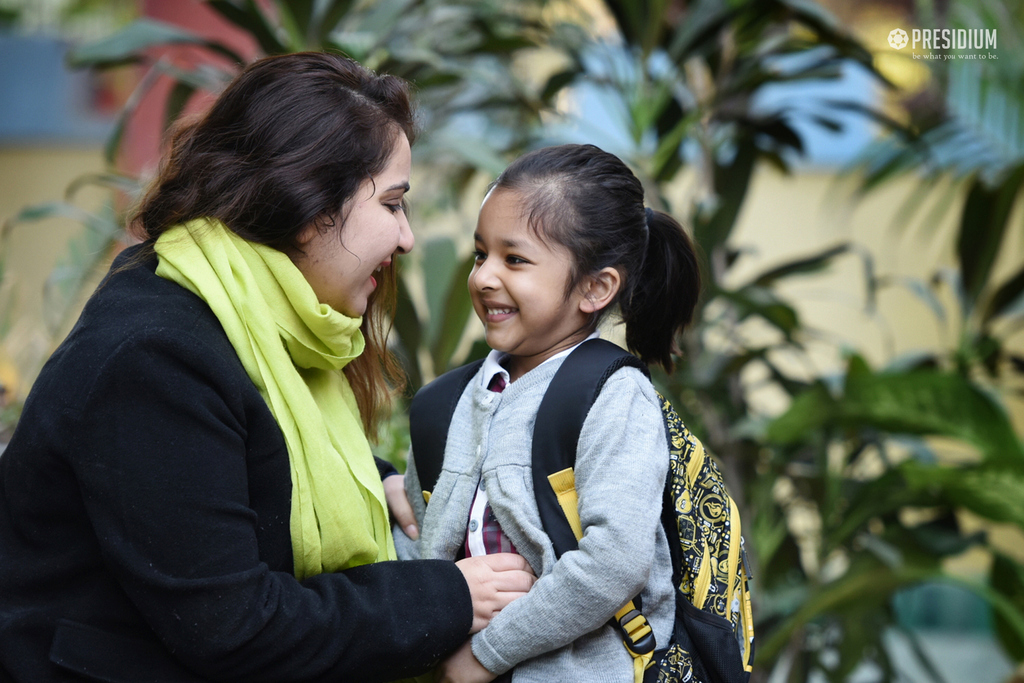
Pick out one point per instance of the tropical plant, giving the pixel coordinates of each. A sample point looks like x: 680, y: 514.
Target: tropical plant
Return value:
x: 845, y: 500
x: 473, y: 110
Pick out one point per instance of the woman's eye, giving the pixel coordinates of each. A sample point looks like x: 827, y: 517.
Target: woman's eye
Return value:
x: 395, y: 208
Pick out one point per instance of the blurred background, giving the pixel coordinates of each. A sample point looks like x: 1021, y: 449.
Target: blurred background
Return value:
x: 857, y: 364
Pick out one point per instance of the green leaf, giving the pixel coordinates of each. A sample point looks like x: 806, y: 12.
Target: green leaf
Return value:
x: 410, y: 332
x: 808, y: 412
x: 996, y: 494
x: 556, y: 83
x: 731, y: 183
x: 85, y: 252
x: 176, y: 101
x: 250, y: 19
x: 457, y: 311
x: 914, y: 402
x: 926, y: 402
x: 1007, y: 579
x: 1007, y: 299
x: 803, y: 266
x: 302, y: 13
x: 763, y: 302
x: 865, y: 581
x: 439, y: 262
x: 127, y: 185
x: 983, y: 223
x: 129, y: 44
x: 331, y: 17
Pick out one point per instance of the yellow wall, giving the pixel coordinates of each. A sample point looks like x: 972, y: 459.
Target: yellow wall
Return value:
x: 30, y: 176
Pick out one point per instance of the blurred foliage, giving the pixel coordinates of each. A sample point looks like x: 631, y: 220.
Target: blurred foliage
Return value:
x: 845, y: 501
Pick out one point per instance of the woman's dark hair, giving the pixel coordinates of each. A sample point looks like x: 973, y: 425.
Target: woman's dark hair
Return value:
x: 286, y: 144
x: 589, y: 202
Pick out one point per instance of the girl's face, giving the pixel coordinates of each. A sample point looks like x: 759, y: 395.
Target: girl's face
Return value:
x: 518, y: 287
x: 340, y: 267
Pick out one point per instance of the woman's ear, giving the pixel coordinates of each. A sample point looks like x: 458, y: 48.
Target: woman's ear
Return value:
x: 306, y: 234
x: 600, y: 289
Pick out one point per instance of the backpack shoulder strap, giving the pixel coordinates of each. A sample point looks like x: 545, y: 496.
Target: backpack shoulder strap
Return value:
x: 560, y: 417
x: 430, y: 416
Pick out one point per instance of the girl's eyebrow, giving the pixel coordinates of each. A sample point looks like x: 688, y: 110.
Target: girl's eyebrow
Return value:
x: 507, y: 243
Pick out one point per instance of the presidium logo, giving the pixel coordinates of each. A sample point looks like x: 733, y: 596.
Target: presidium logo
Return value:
x: 897, y: 38
x: 946, y: 39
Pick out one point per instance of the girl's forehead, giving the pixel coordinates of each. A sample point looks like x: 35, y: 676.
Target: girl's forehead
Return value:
x: 505, y: 211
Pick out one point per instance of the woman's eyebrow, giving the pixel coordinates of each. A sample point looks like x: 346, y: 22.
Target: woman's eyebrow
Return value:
x: 398, y: 186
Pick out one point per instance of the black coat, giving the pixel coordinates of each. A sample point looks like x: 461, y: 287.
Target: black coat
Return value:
x: 144, y: 521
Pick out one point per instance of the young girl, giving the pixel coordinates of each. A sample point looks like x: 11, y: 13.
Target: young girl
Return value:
x: 562, y: 238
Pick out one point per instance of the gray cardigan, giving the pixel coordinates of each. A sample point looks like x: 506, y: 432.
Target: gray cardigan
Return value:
x: 558, y: 632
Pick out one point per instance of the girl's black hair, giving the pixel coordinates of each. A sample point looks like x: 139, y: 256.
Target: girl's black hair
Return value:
x: 588, y: 201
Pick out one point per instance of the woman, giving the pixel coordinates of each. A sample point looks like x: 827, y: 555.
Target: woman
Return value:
x: 189, y: 494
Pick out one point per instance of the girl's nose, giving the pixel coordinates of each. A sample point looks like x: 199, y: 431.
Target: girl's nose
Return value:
x: 406, y: 239
x: 482, y: 277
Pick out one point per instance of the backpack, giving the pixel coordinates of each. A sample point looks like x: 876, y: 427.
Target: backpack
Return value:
x: 713, y: 636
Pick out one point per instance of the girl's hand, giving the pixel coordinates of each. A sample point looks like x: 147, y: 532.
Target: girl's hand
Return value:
x: 463, y: 667
x: 495, y: 581
x: 398, y: 503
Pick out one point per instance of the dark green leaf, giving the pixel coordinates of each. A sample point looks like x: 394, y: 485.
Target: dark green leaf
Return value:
x: 176, y: 101
x: 996, y: 494
x: 731, y: 183
x: 114, y: 181
x: 556, y: 83
x: 248, y: 17
x: 1006, y: 298
x: 457, y: 310
x: 130, y: 43
x: 439, y: 262
x: 410, y: 333
x: 332, y: 16
x: 1007, y: 578
x: 983, y: 223
x: 803, y: 266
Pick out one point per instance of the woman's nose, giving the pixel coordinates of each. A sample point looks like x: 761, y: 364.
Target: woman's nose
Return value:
x: 406, y: 239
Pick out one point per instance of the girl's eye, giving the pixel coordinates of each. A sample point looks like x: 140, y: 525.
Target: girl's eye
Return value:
x: 515, y: 260
x: 479, y: 255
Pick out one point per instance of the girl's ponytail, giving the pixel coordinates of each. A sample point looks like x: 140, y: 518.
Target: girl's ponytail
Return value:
x: 659, y: 299
x: 588, y: 201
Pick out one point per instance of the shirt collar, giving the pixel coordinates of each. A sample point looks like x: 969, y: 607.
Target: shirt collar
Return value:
x: 493, y: 362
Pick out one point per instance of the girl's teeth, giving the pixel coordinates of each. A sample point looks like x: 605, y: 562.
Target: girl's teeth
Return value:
x: 499, y: 311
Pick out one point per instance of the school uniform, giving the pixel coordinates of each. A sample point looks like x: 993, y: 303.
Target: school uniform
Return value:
x: 144, y: 521
x: 558, y: 631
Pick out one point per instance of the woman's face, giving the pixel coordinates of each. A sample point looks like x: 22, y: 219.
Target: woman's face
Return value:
x: 341, y: 267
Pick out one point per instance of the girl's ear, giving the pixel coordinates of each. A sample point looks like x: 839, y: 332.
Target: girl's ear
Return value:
x: 600, y: 289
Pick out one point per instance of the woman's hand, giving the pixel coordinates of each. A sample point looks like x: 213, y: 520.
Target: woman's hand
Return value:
x: 494, y: 582
x: 398, y: 503
x: 463, y: 667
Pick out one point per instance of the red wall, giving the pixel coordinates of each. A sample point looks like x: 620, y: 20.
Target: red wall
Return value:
x: 140, y: 147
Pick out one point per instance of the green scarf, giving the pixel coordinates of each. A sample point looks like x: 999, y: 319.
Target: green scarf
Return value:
x: 293, y: 349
